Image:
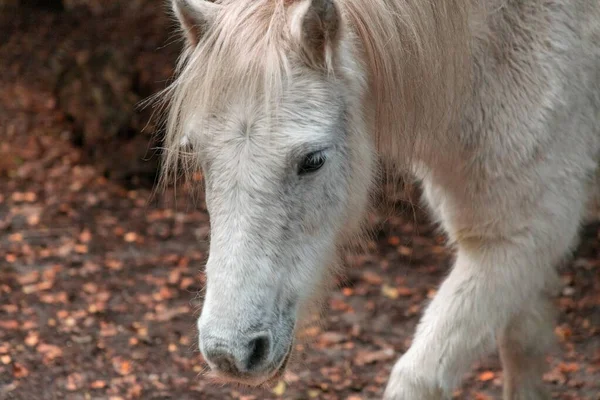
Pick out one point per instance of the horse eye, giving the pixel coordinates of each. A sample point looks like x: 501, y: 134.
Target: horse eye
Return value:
x: 311, y: 163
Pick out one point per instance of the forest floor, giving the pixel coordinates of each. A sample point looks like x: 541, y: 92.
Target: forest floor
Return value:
x: 100, y: 279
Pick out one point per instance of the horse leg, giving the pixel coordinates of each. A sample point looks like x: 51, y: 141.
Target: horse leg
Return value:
x: 494, y: 277
x: 523, y: 346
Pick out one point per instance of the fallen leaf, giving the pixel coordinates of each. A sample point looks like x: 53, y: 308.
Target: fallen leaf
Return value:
x: 405, y: 251
x: 394, y: 240
x: 563, y: 332
x: 372, y: 278
x: 370, y: 357
x: 570, y: 367
x: 486, y: 376
x: 174, y: 276
x: 16, y: 237
x: 555, y: 376
x: 134, y: 391
x: 329, y: 338
x: 49, y: 351
x: 390, y: 292
x: 130, y: 237
x: 81, y: 248
x: 29, y: 278
x: 114, y: 264
x: 9, y: 324
x: 85, y: 236
x: 98, y: 384
x: 74, y: 382
x: 279, y: 390
x: 19, y: 370
x: 123, y: 367
x: 32, y: 339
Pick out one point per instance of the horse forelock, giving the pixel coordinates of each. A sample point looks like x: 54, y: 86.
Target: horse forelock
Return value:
x: 242, y: 55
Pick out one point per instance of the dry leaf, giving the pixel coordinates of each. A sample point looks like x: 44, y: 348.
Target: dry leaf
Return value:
x: 130, y: 237
x: 123, y: 367
x: 74, y: 382
x: 49, y: 351
x: 98, y: 384
x: 368, y: 357
x: 372, y: 278
x: 394, y: 240
x: 9, y: 324
x: 32, y: 339
x: 279, y: 390
x: 486, y: 376
x: 390, y: 292
x: 29, y: 278
x: 19, y: 370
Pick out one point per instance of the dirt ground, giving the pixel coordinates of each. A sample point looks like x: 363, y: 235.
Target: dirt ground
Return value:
x: 100, y: 280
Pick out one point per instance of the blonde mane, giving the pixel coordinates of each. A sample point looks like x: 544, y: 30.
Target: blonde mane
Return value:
x: 416, y: 53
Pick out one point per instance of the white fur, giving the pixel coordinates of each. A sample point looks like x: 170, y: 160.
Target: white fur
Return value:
x: 507, y: 173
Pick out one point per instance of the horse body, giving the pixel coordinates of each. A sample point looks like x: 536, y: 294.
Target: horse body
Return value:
x: 493, y: 105
x: 511, y: 196
x: 528, y: 129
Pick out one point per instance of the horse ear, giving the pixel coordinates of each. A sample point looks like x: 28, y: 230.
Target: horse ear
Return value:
x: 316, y: 24
x: 195, y: 17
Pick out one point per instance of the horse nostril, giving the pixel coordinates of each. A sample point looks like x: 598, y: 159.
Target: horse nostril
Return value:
x: 223, y: 362
x: 258, y: 351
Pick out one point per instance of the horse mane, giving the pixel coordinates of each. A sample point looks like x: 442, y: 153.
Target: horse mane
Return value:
x: 416, y: 53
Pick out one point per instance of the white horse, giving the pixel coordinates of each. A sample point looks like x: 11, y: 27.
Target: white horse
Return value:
x: 292, y: 107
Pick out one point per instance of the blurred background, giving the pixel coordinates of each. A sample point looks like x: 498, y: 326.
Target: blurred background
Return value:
x: 100, y: 277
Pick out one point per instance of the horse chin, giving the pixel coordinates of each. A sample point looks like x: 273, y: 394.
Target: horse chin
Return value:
x: 220, y: 378
x: 279, y: 372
